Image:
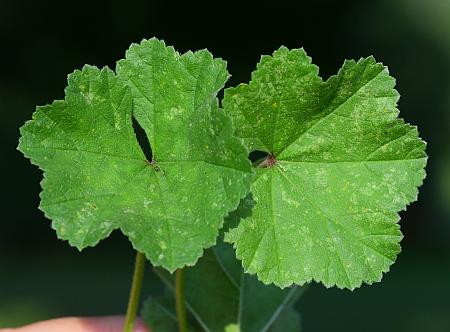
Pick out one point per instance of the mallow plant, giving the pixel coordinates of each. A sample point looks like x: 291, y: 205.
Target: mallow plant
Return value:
x: 240, y: 203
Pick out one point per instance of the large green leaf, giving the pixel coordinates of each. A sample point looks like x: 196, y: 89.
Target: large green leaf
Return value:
x: 340, y: 166
x: 97, y: 178
x: 220, y: 297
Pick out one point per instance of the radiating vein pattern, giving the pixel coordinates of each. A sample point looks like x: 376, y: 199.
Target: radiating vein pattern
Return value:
x: 345, y: 165
x: 97, y: 178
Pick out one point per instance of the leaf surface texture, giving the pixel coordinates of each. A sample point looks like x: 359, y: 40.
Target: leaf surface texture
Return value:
x: 340, y: 167
x: 97, y: 178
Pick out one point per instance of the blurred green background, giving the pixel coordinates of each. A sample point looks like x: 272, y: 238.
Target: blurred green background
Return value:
x: 43, y: 41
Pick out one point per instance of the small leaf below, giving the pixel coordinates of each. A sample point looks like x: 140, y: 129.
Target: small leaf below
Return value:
x: 220, y: 297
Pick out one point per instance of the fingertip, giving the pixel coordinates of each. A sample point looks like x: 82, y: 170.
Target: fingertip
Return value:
x: 114, y: 324
x: 81, y: 324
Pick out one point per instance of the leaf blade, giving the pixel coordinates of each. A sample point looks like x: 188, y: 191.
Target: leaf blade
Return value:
x: 216, y: 302
x: 97, y: 178
x: 327, y: 208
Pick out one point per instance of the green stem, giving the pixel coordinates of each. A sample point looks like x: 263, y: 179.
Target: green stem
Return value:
x: 135, y: 292
x: 179, y: 300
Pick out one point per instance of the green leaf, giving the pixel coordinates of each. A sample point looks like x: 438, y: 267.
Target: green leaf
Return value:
x: 97, y: 178
x: 340, y: 166
x: 159, y: 313
x: 220, y: 297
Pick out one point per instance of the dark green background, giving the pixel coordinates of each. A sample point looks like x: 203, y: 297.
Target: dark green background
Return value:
x: 42, y: 41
